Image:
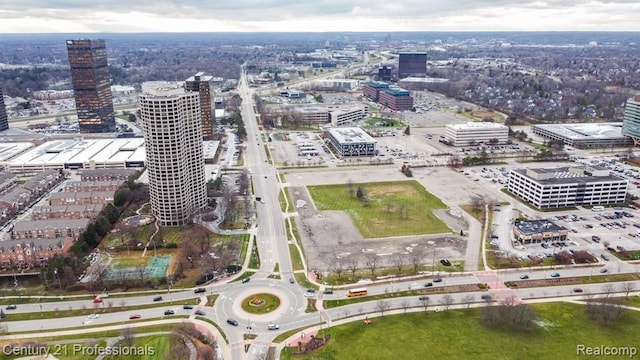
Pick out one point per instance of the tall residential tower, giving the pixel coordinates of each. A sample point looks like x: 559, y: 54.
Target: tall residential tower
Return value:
x: 172, y: 124
x: 91, y: 85
x: 201, y: 83
x: 4, y: 121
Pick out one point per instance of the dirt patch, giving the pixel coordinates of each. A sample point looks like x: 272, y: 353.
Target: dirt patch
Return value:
x: 331, y: 235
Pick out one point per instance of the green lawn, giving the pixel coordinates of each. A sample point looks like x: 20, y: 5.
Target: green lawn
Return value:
x: 149, y: 347
x: 381, y: 216
x: 460, y: 334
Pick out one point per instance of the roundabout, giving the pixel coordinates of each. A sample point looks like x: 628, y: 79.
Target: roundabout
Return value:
x: 262, y: 303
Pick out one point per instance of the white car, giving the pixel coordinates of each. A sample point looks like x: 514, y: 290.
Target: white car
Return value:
x: 273, y: 327
x: 308, y: 294
x: 93, y: 316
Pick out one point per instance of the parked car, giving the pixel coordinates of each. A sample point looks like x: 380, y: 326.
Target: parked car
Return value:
x: 524, y: 277
x: 555, y: 275
x: 93, y: 316
x: 232, y: 322
x: 169, y: 312
x: 200, y: 312
x: 12, y: 307
x: 157, y: 298
x: 273, y: 327
x: 200, y: 290
x: 134, y: 316
x: 187, y: 307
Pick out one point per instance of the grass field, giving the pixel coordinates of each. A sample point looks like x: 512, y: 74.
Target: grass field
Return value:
x: 150, y: 348
x: 381, y: 216
x: 460, y: 334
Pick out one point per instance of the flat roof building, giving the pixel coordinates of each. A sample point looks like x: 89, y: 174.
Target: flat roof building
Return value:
x: 172, y: 125
x: 412, y: 64
x: 475, y: 133
x: 586, y: 135
x: 538, y: 231
x: 567, y: 186
x: 347, y: 115
x: 631, y: 120
x: 91, y: 85
x: 372, y: 90
x: 352, y: 141
x: 396, y: 99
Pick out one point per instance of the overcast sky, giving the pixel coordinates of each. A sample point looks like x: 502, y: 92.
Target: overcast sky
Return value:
x: 85, y: 16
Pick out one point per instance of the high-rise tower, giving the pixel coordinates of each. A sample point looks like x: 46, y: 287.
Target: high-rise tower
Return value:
x: 4, y: 121
x: 631, y: 120
x: 91, y: 86
x: 413, y: 64
x: 201, y: 83
x: 172, y: 124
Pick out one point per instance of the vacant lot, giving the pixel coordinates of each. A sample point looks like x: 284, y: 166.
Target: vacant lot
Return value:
x: 385, y: 209
x: 461, y: 334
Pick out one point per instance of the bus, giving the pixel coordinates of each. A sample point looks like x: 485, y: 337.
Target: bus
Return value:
x: 597, y: 208
x: 357, y: 292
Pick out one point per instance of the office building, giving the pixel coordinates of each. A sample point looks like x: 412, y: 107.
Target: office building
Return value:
x: 91, y: 86
x: 567, y: 186
x: 476, y: 133
x: 384, y: 73
x: 412, y: 64
x: 172, y: 124
x: 372, y: 90
x: 585, y: 135
x: 631, y: 120
x: 201, y: 83
x: 352, y: 141
x: 396, y: 99
x: 4, y: 120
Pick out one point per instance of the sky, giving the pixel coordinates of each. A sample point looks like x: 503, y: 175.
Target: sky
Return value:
x: 87, y: 16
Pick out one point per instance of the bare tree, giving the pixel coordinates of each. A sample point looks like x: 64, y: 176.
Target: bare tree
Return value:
x: 352, y: 265
x: 447, y: 301
x: 371, y: 262
x: 206, y: 353
x: 338, y: 266
x: 627, y: 287
x: 128, y: 335
x: 398, y: 262
x: 179, y: 350
x: 477, y: 202
x: 416, y: 260
x: 350, y: 188
x: 382, y: 306
x: 468, y: 300
x: 404, y: 304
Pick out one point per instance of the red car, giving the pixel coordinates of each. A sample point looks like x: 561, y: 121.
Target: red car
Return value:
x: 97, y: 300
x: 134, y: 316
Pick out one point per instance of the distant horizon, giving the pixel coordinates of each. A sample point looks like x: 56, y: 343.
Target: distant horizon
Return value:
x: 328, y: 32
x: 251, y: 16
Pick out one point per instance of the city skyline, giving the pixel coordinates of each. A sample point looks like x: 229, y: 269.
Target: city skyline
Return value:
x: 319, y: 16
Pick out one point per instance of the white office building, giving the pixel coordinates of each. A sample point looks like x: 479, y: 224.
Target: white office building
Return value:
x: 342, y: 115
x: 567, y: 186
x: 352, y: 141
x: 172, y: 124
x: 476, y: 133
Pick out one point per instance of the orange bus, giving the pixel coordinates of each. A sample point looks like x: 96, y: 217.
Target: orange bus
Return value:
x: 357, y: 292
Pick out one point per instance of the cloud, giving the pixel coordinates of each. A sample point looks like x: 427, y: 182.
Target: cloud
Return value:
x: 318, y: 15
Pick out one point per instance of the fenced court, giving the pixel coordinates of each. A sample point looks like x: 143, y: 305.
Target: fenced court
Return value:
x: 156, y: 268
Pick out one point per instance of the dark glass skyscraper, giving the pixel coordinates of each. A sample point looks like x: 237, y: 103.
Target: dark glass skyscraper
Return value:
x: 91, y: 86
x: 412, y: 64
x: 201, y: 83
x: 4, y: 122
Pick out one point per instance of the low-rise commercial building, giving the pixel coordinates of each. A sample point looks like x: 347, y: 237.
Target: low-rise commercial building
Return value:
x: 538, y: 231
x: 567, y: 186
x: 476, y: 133
x: 352, y: 141
x: 396, y: 99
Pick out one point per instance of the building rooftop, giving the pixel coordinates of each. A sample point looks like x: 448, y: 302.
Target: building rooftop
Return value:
x: 162, y: 89
x: 378, y: 85
x: 569, y: 175
x: 476, y: 125
x: 11, y: 149
x: 100, y: 151
x: 585, y: 131
x: 537, y: 226
x: 351, y: 135
x: 397, y: 91
x: 35, y: 225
